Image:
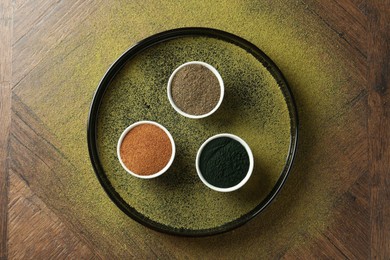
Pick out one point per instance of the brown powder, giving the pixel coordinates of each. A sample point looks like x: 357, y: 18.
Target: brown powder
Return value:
x: 146, y: 149
x: 195, y: 89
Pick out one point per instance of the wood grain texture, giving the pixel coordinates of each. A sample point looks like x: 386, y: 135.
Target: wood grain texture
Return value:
x: 18, y: 3
x: 6, y: 13
x: 348, y: 238
x: 56, y: 207
x: 6, y: 23
x: 379, y: 127
x: 55, y: 240
x: 29, y: 143
x: 346, y: 20
x: 5, y: 107
x: 350, y: 24
x: 59, y: 17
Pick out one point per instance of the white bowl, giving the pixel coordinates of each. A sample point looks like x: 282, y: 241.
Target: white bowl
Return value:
x: 248, y: 174
x: 154, y: 175
x: 221, y: 85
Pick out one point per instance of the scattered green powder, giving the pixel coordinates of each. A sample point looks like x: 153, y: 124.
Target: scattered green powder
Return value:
x: 309, y: 54
x: 253, y: 108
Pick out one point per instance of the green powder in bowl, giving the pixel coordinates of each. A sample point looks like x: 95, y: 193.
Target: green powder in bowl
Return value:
x: 224, y: 162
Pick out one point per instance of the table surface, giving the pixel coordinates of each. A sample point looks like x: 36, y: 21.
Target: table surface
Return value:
x: 335, y: 54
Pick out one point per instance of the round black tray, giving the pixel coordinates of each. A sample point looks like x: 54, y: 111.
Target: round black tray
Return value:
x: 147, y: 43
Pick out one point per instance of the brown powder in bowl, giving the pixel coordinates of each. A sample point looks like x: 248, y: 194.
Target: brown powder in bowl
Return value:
x: 195, y: 89
x: 146, y: 149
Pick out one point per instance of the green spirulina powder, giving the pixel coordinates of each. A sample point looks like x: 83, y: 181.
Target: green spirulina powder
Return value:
x: 224, y: 162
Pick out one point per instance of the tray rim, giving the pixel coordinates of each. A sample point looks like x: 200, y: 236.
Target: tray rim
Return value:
x: 166, y: 36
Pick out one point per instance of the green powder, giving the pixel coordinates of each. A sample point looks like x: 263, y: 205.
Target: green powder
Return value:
x: 253, y: 108
x: 312, y: 57
x: 224, y: 162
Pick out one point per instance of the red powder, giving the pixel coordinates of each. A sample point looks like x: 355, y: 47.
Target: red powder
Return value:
x: 146, y: 149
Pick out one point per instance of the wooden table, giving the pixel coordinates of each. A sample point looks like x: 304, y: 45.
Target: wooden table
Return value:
x: 336, y: 201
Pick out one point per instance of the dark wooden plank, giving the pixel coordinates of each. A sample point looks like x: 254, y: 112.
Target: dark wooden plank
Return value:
x: 6, y: 12
x: 346, y: 20
x: 355, y: 13
x: 320, y: 248
x: 350, y: 231
x: 379, y: 126
x: 343, y: 19
x: 35, y: 232
x: 360, y: 4
x: 336, y: 18
x: 347, y: 237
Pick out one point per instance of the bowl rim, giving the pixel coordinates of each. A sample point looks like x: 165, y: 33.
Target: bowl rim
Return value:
x: 221, y: 88
x: 127, y: 130
x: 248, y: 174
